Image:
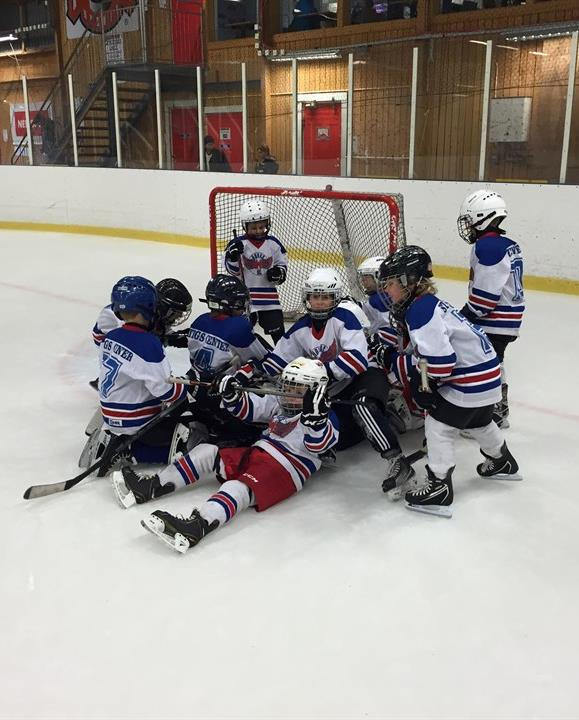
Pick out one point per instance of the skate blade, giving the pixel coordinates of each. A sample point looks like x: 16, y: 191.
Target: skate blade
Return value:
x: 440, y: 510
x: 123, y: 494
x: 157, y: 527
x: 503, y: 476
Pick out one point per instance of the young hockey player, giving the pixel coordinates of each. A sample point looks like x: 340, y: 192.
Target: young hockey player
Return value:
x: 381, y: 335
x: 301, y: 428
x: 174, y: 308
x: 463, y: 371
x: 496, y: 300
x: 220, y: 340
x: 332, y: 334
x: 134, y: 372
x: 260, y: 260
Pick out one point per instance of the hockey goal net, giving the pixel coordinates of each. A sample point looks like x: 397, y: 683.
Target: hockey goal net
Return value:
x: 317, y: 228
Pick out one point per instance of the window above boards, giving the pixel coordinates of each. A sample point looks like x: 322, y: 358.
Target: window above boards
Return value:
x: 25, y: 25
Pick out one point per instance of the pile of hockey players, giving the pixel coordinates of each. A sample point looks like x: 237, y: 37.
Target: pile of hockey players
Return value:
x: 261, y: 420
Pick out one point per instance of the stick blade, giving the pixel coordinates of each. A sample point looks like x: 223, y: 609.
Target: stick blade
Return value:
x: 35, y: 491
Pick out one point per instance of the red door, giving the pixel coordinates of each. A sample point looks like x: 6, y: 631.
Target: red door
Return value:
x: 226, y: 129
x: 322, y: 138
x: 184, y: 138
x: 186, y: 32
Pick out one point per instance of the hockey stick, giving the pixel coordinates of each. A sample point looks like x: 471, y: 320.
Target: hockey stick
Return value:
x: 241, y: 388
x: 35, y: 491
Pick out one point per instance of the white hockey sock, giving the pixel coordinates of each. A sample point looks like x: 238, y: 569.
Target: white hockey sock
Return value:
x: 440, y: 439
x: 233, y: 497
x: 197, y: 464
x: 489, y: 438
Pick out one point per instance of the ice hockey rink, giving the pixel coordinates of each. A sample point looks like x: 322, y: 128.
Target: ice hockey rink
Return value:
x: 335, y: 604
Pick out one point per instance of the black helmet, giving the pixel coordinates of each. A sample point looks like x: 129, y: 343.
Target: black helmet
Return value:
x: 174, y: 302
x: 226, y: 293
x: 409, y: 266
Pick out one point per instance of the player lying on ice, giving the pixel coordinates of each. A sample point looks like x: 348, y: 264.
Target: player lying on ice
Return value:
x: 300, y: 428
x: 333, y: 334
x: 463, y: 371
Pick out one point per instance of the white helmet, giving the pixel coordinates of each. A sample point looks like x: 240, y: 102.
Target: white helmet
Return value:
x: 300, y: 374
x: 479, y: 210
x: 322, y: 281
x: 254, y: 211
x: 370, y: 266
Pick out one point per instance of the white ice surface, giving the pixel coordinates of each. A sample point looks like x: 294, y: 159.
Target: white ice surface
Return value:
x: 334, y: 604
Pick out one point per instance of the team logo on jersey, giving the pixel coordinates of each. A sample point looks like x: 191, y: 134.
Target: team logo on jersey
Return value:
x: 281, y: 426
x: 325, y: 353
x: 98, y: 20
x: 258, y: 262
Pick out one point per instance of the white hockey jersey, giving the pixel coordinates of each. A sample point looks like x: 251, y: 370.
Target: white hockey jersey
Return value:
x: 257, y: 258
x: 377, y: 310
x: 215, y: 339
x: 295, y: 446
x: 106, y: 321
x: 495, y: 289
x: 340, y: 344
x: 459, y: 355
x: 133, y: 381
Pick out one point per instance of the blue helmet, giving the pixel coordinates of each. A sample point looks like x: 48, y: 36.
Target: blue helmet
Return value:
x: 135, y: 294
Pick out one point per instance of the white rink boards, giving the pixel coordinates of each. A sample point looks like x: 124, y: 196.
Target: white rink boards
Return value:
x: 334, y: 604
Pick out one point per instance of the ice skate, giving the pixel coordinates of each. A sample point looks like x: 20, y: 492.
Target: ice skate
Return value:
x: 435, y: 497
x: 177, y: 532
x: 399, y: 476
x: 132, y: 489
x: 504, y: 467
x: 328, y: 459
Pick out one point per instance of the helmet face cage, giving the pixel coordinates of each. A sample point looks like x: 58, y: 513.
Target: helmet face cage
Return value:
x: 478, y: 211
x: 369, y: 268
x: 254, y: 211
x: 174, y: 302
x: 409, y: 266
x: 297, y: 377
x: 336, y: 294
x: 227, y: 294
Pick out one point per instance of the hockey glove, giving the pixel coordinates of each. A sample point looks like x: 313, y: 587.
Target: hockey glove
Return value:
x: 229, y: 389
x: 234, y: 250
x: 426, y: 400
x: 277, y: 274
x: 469, y: 314
x: 315, y: 408
x: 380, y: 351
x: 176, y: 339
x: 245, y: 374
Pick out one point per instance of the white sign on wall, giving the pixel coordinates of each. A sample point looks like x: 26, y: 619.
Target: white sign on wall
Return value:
x: 119, y: 16
x: 510, y: 119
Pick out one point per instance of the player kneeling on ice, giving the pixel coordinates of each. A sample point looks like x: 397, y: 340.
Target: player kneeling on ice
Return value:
x: 334, y: 335
x: 301, y: 427
x: 133, y: 380
x: 463, y: 371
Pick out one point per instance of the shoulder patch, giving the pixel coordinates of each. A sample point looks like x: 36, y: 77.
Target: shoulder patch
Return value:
x: 492, y: 249
x: 303, y: 322
x: 346, y: 316
x: 147, y: 346
x: 421, y: 311
x: 378, y: 302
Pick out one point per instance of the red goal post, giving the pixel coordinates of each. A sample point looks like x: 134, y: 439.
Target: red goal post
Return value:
x: 318, y: 228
